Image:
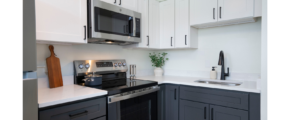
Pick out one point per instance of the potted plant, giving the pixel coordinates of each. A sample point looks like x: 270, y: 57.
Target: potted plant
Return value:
x: 158, y: 60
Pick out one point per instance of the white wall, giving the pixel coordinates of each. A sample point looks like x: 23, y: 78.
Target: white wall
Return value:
x: 241, y: 45
x: 68, y: 53
x: 265, y: 63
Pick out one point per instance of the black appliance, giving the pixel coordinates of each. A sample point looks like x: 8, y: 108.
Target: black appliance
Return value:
x: 127, y: 99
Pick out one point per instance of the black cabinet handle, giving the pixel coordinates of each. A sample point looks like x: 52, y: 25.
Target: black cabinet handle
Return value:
x: 171, y: 41
x: 205, y: 113
x: 211, y: 113
x: 147, y: 40
x: 220, y: 12
x: 120, y: 2
x: 213, y: 13
x: 85, y: 27
x: 72, y: 116
x: 115, y: 1
x: 174, y: 94
x: 185, y: 39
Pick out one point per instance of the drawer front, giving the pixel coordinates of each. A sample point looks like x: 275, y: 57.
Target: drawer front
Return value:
x: 79, y: 111
x: 224, y: 113
x: 101, y: 118
x: 214, y: 96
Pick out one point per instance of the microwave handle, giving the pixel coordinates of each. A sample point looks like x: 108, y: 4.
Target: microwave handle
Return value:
x: 134, y: 26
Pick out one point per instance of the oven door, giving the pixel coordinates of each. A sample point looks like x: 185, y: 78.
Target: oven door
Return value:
x: 138, y: 108
x: 111, y: 22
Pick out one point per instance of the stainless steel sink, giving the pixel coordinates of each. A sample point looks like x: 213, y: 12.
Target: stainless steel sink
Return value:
x: 219, y: 82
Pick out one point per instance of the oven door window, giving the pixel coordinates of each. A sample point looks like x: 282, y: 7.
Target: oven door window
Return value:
x: 113, y: 23
x: 140, y: 108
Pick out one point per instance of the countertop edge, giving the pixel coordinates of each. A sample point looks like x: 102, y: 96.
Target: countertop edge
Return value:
x: 47, y: 104
x: 216, y: 87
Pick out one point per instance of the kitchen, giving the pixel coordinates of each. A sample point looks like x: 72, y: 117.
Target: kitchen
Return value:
x: 213, y: 71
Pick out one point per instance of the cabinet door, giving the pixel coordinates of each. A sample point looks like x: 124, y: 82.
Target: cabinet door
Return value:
x: 167, y: 24
x: 61, y: 21
x: 128, y: 4
x: 203, y: 11
x: 181, y: 23
x: 224, y: 113
x: 161, y: 102
x: 110, y: 1
x: 154, y: 24
x: 143, y: 8
x: 171, y: 102
x: 233, y: 9
x: 193, y: 110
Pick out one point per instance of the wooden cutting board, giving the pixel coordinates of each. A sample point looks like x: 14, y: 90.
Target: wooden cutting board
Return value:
x: 53, y: 69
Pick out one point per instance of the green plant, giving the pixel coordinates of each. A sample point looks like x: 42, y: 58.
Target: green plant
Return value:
x: 158, y: 60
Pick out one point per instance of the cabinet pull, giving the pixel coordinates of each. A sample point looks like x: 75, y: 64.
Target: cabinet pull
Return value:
x: 185, y: 39
x: 72, y: 116
x: 211, y: 113
x: 171, y: 41
x: 120, y: 2
x: 115, y: 1
x: 147, y: 40
x: 214, y: 13
x: 85, y: 27
x: 174, y: 94
x: 220, y: 12
x: 205, y: 113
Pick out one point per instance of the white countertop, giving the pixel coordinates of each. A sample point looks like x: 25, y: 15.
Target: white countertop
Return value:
x: 246, y: 86
x: 53, y: 96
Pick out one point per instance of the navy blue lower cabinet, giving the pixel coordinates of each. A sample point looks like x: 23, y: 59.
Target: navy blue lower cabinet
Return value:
x: 161, y: 103
x: 85, y: 110
x: 193, y: 110
x: 225, y: 113
x: 171, y: 102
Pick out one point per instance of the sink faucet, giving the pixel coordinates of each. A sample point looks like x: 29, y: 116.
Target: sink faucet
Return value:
x: 221, y: 62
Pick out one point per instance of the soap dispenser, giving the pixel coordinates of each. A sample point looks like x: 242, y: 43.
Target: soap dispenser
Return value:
x: 213, y: 73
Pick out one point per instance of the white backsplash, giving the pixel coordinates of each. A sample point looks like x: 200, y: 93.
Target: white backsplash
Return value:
x: 240, y: 43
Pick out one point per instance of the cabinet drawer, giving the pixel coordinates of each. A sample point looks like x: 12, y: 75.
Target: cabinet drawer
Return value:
x: 86, y: 110
x: 224, y: 113
x: 101, y: 118
x: 214, y: 96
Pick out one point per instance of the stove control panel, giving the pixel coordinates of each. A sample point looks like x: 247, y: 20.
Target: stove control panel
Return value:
x: 89, y: 66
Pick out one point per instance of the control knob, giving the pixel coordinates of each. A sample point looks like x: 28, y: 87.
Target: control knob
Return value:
x: 81, y: 66
x: 124, y: 64
x: 120, y: 64
x: 87, y: 65
x: 116, y: 64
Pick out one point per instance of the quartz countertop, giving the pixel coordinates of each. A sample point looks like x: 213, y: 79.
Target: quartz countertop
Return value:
x: 53, y: 96
x: 246, y: 86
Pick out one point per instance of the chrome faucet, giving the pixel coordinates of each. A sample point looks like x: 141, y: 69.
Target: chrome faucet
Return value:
x: 221, y: 62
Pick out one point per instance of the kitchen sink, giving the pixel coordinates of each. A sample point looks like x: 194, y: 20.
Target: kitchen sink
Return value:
x: 219, y: 82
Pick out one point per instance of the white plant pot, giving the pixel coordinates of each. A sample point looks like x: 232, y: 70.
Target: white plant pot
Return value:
x: 158, y: 71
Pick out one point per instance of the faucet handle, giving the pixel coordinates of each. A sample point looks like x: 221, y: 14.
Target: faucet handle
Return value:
x: 228, y: 73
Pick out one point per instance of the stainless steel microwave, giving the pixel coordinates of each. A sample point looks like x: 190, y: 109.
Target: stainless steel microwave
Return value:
x: 111, y: 24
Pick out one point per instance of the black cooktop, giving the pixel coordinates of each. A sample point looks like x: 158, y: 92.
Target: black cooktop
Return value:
x: 127, y: 85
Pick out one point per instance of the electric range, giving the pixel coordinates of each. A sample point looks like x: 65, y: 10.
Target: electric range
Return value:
x: 127, y: 99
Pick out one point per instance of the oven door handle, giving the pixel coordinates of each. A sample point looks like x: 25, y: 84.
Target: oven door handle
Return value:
x: 119, y: 97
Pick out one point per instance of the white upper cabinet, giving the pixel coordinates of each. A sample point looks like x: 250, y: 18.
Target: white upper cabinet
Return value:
x: 182, y: 23
x: 213, y: 13
x: 143, y: 8
x: 167, y: 24
x: 154, y: 31
x: 128, y: 4
x: 203, y: 11
x: 58, y: 21
x: 234, y: 9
